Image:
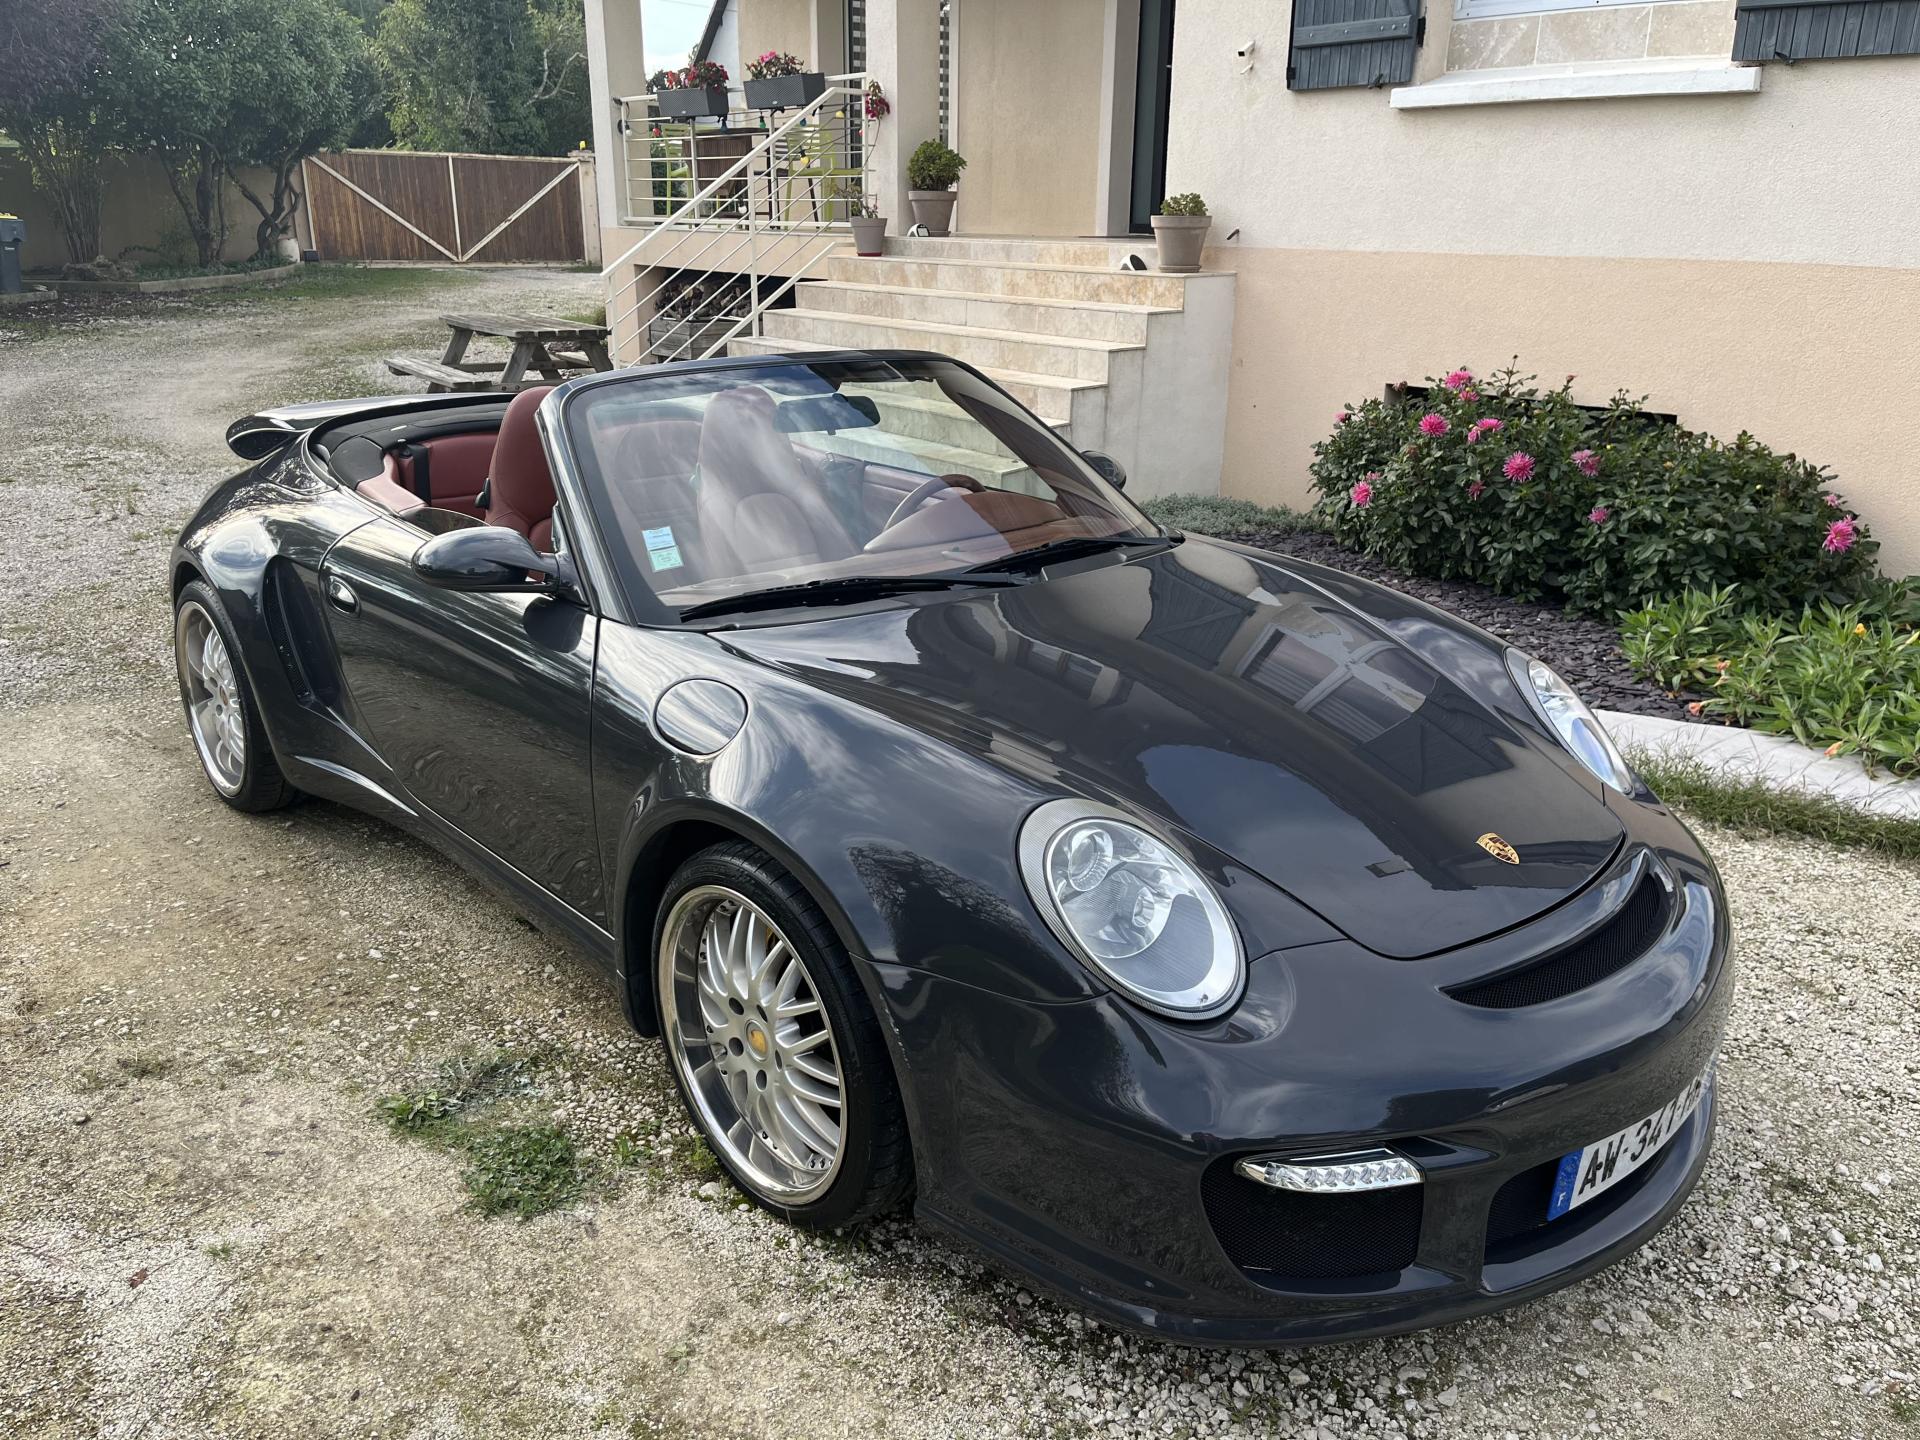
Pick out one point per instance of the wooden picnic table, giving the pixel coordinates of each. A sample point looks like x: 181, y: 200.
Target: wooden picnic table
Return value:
x: 545, y: 352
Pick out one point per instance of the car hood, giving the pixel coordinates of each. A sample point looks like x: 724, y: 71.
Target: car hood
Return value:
x: 1229, y: 696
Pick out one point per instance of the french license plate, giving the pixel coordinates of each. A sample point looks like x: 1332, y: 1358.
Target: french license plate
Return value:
x: 1596, y: 1168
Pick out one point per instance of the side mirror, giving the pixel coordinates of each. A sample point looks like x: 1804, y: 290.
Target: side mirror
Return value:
x: 1106, y: 467
x: 490, y: 557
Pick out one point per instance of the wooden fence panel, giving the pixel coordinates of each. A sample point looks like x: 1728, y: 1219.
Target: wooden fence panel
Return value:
x: 433, y: 208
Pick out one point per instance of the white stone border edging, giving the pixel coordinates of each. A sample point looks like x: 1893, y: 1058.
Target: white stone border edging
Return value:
x: 182, y: 282
x: 1777, y: 761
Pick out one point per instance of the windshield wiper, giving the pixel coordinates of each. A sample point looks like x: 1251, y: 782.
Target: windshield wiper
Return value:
x: 1068, y: 549
x: 836, y: 592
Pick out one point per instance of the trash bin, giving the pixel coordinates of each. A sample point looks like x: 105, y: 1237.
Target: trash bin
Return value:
x: 13, y: 234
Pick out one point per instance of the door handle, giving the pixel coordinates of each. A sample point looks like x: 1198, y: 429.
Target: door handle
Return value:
x: 340, y: 595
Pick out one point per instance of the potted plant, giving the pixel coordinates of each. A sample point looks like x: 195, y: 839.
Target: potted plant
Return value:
x: 869, y: 226
x: 778, y: 81
x: 1180, y: 228
x: 696, y: 90
x: 932, y: 171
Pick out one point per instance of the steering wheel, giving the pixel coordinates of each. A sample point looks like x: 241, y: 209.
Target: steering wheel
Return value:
x: 924, y: 492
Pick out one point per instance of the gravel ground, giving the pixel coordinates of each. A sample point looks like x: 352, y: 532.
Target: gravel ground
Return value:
x: 206, y: 1230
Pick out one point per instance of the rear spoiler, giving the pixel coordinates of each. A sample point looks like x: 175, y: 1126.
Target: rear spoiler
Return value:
x: 262, y: 434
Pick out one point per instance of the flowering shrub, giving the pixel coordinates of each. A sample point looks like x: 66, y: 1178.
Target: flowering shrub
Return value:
x: 773, y: 65
x: 1845, y: 678
x: 1497, y: 481
x: 700, y: 75
x: 877, y: 106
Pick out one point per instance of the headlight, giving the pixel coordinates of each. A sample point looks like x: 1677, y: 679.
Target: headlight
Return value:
x: 1127, y: 905
x: 1568, y: 717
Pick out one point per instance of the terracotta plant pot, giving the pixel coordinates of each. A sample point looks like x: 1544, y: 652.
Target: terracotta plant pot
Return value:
x: 1181, y: 239
x: 869, y: 235
x: 934, y: 209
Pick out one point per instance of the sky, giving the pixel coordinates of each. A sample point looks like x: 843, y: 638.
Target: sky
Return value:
x: 670, y: 28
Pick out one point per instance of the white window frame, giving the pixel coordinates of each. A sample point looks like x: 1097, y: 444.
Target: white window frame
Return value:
x: 1490, y: 9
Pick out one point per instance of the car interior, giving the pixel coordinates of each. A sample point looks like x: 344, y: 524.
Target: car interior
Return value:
x: 732, y: 488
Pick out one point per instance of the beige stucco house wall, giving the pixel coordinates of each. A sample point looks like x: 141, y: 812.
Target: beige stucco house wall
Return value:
x: 1748, y: 261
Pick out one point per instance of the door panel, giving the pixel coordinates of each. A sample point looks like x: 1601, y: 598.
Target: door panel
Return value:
x: 478, y: 703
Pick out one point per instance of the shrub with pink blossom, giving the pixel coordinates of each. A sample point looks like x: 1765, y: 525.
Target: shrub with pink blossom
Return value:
x: 1605, y: 507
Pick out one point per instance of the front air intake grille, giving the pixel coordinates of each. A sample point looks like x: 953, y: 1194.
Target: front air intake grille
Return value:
x: 1588, y: 961
x: 1278, y: 1235
x: 1519, y: 1214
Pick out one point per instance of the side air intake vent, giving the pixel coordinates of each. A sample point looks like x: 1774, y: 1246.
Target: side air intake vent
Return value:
x: 1281, y: 1235
x: 1588, y: 961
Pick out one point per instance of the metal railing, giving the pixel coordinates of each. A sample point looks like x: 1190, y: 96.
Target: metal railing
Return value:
x: 755, y: 200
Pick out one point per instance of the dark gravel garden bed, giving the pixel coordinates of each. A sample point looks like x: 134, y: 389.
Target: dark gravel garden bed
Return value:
x: 1586, y: 651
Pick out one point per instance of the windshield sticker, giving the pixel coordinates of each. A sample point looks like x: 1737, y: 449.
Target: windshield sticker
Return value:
x: 663, y: 551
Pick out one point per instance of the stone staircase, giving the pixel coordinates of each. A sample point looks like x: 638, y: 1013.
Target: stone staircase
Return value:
x: 1132, y: 363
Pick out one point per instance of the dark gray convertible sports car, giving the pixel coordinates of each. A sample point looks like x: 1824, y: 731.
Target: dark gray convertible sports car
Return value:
x: 1246, y: 951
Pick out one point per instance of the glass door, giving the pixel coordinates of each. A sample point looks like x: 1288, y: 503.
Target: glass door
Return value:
x: 1153, y: 84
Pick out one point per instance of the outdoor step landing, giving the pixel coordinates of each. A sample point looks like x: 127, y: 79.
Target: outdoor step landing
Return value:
x: 1021, y: 280
x: 1060, y: 355
x: 1032, y: 315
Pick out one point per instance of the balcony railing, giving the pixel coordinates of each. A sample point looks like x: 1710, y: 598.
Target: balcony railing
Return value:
x: 752, y: 203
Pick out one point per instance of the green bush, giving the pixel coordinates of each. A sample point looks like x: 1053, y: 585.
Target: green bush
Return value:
x: 1520, y: 489
x: 1187, y: 204
x: 1845, y: 678
x: 934, y: 165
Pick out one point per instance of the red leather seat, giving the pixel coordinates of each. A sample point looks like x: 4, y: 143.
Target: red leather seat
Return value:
x: 520, y: 486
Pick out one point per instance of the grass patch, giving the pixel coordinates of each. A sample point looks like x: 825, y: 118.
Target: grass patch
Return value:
x: 1221, y: 516
x: 1753, y: 808
x: 523, y: 1170
x: 592, y: 315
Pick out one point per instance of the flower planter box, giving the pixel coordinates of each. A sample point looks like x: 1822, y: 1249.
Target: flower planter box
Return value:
x: 676, y: 339
x: 786, y: 92
x: 692, y: 104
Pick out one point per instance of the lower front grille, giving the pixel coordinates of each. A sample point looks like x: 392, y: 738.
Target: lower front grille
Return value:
x: 1519, y: 1213
x: 1279, y: 1235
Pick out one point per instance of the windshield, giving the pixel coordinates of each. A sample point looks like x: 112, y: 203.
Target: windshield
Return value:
x: 714, y: 484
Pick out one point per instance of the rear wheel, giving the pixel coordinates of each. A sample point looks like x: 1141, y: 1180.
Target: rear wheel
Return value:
x: 774, y: 1047
x: 222, y: 715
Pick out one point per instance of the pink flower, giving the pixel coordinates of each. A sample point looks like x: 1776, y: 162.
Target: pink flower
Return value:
x: 1587, y: 462
x: 1371, y: 475
x: 1469, y: 394
x: 1840, y: 535
x: 1483, y: 427
x: 1362, y: 495
x: 1519, y: 467
x: 1432, y: 424
x: 1476, y: 489
x: 1340, y: 417
x: 1598, y: 515
x: 1831, y: 501
x: 1458, y: 380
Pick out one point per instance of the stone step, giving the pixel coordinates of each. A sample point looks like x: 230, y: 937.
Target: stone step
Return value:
x: 1077, y: 319
x: 935, y: 458
x: 921, y: 417
x: 1076, y: 408
x: 1082, y: 251
x: 1100, y: 284
x: 1059, y: 355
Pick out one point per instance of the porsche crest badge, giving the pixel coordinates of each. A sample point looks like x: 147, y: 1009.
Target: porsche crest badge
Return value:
x: 1498, y: 848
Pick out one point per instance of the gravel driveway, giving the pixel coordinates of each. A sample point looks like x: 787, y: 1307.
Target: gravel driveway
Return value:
x: 207, y: 1229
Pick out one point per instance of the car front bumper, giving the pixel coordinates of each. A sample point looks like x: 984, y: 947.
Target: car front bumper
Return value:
x: 1084, y: 1144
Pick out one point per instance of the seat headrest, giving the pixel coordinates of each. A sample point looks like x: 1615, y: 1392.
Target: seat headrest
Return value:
x: 519, y: 484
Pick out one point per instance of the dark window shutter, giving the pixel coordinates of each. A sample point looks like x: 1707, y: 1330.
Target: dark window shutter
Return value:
x: 1354, y: 42
x: 1799, y: 30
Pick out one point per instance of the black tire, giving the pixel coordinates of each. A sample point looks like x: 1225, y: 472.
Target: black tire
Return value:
x: 259, y: 786
x: 875, y: 1167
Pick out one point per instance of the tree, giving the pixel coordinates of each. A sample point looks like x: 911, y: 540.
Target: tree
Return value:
x: 495, y: 76
x: 302, y: 85
x: 54, y: 51
x: 210, y: 85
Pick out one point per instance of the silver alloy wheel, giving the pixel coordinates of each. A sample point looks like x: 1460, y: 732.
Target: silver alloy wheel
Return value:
x: 212, y: 693
x: 754, y: 1047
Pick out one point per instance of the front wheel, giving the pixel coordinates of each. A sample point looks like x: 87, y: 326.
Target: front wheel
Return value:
x: 774, y: 1047
x: 222, y: 714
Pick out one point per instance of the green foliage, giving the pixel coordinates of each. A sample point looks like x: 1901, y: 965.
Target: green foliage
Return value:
x: 1499, y: 482
x: 501, y: 77
x: 1222, y: 517
x: 1754, y: 807
x: 49, y: 105
x: 934, y: 165
x: 1187, y: 204
x: 1842, y: 678
x: 774, y: 65
x: 523, y: 1170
